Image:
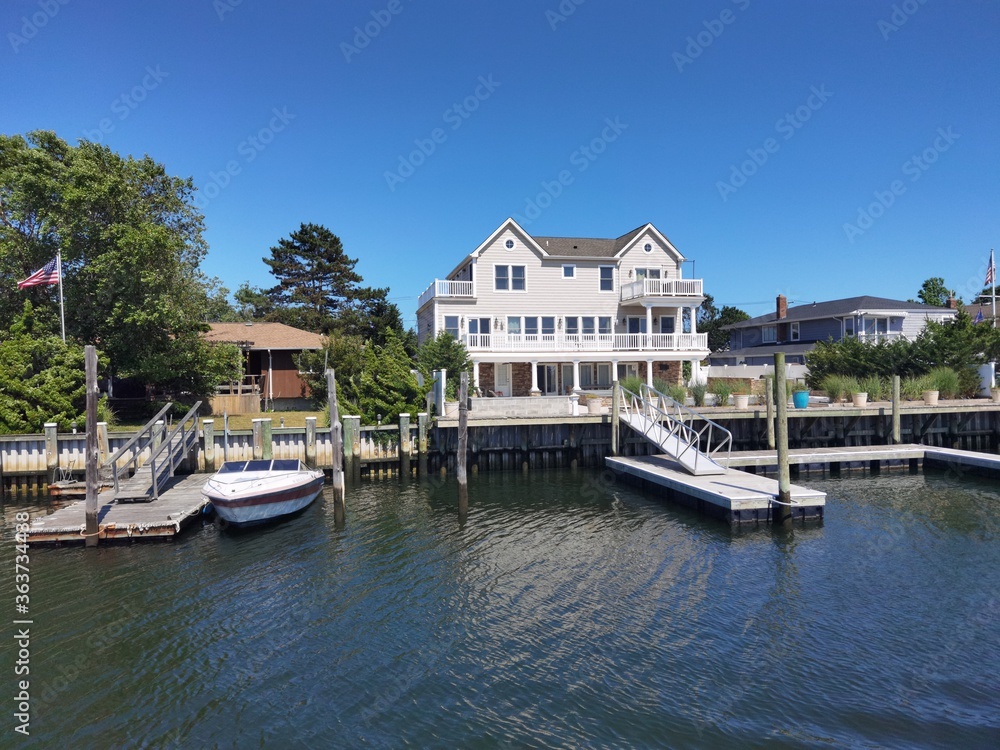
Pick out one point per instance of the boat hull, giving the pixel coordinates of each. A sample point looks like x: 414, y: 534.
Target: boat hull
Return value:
x: 260, y: 502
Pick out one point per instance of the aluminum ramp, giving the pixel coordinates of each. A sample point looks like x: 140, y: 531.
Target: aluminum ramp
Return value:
x: 683, y: 434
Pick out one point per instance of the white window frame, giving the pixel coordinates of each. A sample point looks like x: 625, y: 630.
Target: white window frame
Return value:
x: 600, y: 281
x: 572, y: 271
x: 510, y: 277
x: 769, y: 334
x: 849, y: 328
x: 457, y: 335
x: 793, y: 331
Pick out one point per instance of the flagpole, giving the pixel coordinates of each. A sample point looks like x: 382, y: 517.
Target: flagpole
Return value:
x: 62, y: 312
x: 993, y: 289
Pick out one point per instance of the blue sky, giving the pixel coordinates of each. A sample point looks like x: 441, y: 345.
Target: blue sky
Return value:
x: 815, y: 150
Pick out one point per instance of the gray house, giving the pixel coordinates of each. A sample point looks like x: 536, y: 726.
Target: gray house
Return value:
x: 796, y: 330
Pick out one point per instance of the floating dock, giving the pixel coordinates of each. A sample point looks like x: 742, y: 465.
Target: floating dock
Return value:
x: 181, y: 503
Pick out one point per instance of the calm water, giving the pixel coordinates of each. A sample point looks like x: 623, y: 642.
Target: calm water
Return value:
x: 566, y: 611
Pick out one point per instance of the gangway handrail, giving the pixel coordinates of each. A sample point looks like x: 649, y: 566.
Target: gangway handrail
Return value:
x: 172, y: 455
x: 148, y: 427
x: 662, y: 411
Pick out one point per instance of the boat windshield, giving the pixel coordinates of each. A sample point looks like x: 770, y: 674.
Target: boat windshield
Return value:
x: 285, y: 464
x: 232, y: 466
x: 280, y: 464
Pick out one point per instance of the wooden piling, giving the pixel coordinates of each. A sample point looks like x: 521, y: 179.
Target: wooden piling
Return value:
x: 51, y: 450
x: 463, y: 444
x: 616, y: 403
x: 404, y: 445
x: 769, y: 398
x: 91, y: 526
x: 895, y: 410
x: 258, y: 438
x: 208, y: 443
x: 337, y: 436
x: 782, y: 509
x: 422, y: 444
x: 311, y: 442
x: 103, y: 446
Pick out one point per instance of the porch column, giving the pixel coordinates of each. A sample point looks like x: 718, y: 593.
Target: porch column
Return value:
x: 694, y: 319
x: 649, y: 326
x: 614, y: 371
x: 649, y: 373
x: 576, y: 376
x: 534, y: 379
x: 475, y: 375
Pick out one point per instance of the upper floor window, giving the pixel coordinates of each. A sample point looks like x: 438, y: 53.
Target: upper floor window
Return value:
x: 793, y: 331
x: 548, y: 326
x: 848, y: 328
x: 647, y: 248
x: 572, y: 325
x: 769, y: 334
x: 604, y: 324
x: 451, y: 325
x: 569, y: 272
x: 508, y: 278
x: 514, y: 325
x: 607, y: 279
x: 509, y: 244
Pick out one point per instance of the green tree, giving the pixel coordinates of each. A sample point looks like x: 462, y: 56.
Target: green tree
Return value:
x: 315, y: 278
x: 345, y: 354
x: 934, y: 292
x: 387, y: 385
x: 131, y: 244
x: 252, y: 303
x: 42, y: 379
x: 446, y: 353
x: 711, y: 320
x: 370, y: 316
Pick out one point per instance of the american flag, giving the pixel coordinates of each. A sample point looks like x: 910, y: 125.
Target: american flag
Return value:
x: 991, y: 271
x: 46, y: 275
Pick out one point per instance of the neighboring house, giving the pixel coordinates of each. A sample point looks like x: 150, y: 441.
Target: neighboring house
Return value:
x: 796, y: 330
x: 982, y: 312
x: 270, y: 366
x: 555, y: 315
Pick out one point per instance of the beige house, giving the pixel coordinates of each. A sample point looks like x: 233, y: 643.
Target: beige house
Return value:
x: 271, y: 375
x: 556, y: 315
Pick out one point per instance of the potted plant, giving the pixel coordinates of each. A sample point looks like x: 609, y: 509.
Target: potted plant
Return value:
x: 722, y: 390
x: 741, y: 396
x: 800, y: 396
x: 995, y: 393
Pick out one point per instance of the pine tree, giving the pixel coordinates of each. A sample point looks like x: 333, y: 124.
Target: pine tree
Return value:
x: 388, y: 387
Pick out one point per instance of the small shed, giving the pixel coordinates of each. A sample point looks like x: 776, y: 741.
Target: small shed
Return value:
x: 271, y: 377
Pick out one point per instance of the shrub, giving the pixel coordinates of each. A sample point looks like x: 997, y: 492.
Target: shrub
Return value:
x: 722, y: 390
x: 836, y: 387
x: 698, y: 391
x: 877, y: 388
x: 945, y: 381
x: 912, y: 389
x: 677, y: 392
x: 631, y: 383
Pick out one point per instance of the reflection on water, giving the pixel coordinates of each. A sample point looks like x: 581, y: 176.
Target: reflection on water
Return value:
x: 564, y: 610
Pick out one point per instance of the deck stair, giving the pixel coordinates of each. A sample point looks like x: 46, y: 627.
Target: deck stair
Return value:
x: 695, y: 442
x: 135, y: 483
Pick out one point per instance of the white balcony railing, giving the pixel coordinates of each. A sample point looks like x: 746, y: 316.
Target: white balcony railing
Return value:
x: 585, y: 342
x: 446, y: 288
x: 662, y: 288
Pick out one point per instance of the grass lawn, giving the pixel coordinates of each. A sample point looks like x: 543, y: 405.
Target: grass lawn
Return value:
x: 244, y: 421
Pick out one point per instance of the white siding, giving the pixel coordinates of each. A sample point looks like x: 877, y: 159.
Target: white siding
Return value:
x: 660, y: 257
x: 914, y: 323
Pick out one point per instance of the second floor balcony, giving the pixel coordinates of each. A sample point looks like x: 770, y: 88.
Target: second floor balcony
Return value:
x: 586, y: 342
x: 450, y: 288
x: 662, y: 289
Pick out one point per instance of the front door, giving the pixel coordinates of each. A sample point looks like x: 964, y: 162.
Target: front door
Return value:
x: 502, y: 385
x: 548, y: 379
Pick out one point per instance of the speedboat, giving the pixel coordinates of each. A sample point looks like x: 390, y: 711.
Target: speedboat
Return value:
x: 245, y: 493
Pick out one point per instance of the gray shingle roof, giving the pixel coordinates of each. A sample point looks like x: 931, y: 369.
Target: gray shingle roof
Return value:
x: 836, y: 308
x: 586, y: 247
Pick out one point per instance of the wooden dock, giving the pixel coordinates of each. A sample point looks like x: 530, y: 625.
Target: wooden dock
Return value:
x: 736, y: 496
x: 179, y: 504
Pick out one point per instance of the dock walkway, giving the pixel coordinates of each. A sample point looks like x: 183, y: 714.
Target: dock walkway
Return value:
x: 179, y: 504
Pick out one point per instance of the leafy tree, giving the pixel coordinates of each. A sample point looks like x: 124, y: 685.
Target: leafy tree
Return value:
x: 42, y: 379
x: 934, y: 292
x: 345, y: 354
x: 711, y: 320
x: 315, y: 278
x: 445, y: 352
x: 131, y: 243
x: 387, y: 386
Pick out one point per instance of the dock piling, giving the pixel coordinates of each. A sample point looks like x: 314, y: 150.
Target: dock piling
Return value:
x: 782, y: 509
x: 769, y: 398
x: 91, y: 526
x: 463, y: 444
x: 337, y: 437
x: 422, y: 444
x: 208, y: 443
x: 404, y: 445
x: 258, y: 438
x: 895, y: 410
x: 311, y: 441
x: 616, y: 401
x: 51, y: 450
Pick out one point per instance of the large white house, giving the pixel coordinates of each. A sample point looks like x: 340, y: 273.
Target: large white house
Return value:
x: 555, y: 315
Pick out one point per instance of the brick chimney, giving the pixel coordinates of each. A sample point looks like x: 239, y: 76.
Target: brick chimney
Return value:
x: 951, y: 303
x: 781, y: 307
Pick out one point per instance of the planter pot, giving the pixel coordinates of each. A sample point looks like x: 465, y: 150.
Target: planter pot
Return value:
x: 995, y: 395
x: 860, y: 399
x: 931, y: 398
x: 800, y: 399
x: 741, y: 401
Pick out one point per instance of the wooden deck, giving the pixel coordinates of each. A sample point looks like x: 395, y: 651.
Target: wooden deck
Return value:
x: 180, y: 503
x: 736, y: 496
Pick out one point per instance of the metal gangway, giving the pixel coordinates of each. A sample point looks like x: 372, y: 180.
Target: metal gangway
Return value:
x: 697, y: 443
x: 153, y: 455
